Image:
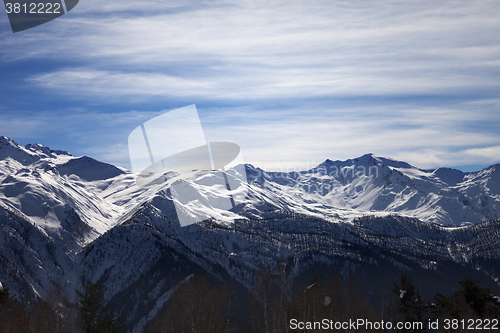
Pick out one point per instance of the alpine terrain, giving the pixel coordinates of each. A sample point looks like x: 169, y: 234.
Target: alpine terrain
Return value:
x: 65, y: 220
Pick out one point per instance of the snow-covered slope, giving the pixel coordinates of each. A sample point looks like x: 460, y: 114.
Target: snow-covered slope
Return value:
x: 372, y: 185
x: 139, y: 260
x: 49, y: 187
x: 66, y: 219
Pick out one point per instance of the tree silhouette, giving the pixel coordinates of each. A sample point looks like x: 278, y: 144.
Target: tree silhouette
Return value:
x: 13, y: 316
x: 479, y: 299
x: 54, y: 313
x: 469, y: 302
x: 197, y: 305
x: 408, y: 306
x: 94, y: 315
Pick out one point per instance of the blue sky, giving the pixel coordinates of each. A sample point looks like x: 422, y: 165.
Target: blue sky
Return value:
x: 292, y: 82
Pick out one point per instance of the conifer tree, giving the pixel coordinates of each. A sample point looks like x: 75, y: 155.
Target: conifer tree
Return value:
x: 94, y: 315
x: 13, y: 316
x: 471, y: 301
x: 408, y: 306
x: 479, y: 299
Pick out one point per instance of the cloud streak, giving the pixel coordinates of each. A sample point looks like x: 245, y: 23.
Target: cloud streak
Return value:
x: 305, y: 81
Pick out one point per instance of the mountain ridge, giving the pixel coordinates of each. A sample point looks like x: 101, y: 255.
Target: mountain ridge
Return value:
x: 334, y: 189
x: 67, y: 219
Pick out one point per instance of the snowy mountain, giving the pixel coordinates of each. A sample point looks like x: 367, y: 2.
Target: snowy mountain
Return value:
x: 372, y: 185
x: 67, y: 219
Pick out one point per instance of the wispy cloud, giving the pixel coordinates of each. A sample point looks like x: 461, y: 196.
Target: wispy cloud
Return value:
x: 291, y: 140
x: 491, y: 154
x: 279, y: 50
x: 105, y: 84
x: 304, y: 80
x: 278, y: 83
x: 426, y: 137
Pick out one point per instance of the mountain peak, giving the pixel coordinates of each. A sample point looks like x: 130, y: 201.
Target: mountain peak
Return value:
x: 89, y: 169
x: 369, y: 159
x: 449, y: 175
x: 394, y: 163
x: 27, y: 154
x: 41, y: 149
x: 4, y: 141
x: 362, y: 159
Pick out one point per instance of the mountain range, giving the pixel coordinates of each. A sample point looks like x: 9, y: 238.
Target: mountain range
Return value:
x: 67, y: 219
